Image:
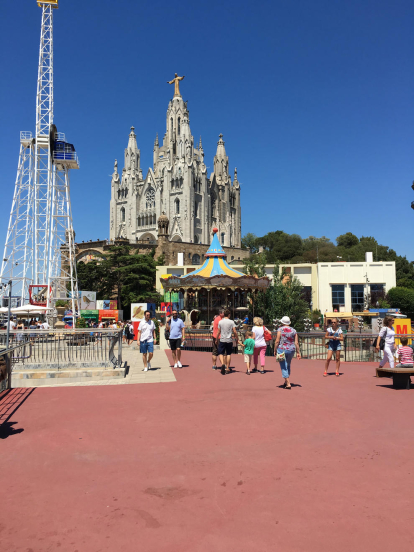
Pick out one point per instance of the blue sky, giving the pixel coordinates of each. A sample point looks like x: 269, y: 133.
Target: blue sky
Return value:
x: 314, y: 99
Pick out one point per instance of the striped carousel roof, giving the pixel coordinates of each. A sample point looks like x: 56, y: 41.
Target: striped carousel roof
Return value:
x: 215, y: 263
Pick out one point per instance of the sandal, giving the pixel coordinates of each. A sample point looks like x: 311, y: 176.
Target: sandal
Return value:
x: 337, y: 374
x: 288, y: 387
x: 325, y: 374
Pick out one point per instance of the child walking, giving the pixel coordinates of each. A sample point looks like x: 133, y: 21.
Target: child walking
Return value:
x: 248, y: 347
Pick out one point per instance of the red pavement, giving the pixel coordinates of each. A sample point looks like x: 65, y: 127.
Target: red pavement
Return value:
x: 211, y: 463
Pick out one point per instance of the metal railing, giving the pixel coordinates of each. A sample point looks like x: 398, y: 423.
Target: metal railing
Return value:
x: 355, y: 347
x: 8, y: 357
x: 63, y: 348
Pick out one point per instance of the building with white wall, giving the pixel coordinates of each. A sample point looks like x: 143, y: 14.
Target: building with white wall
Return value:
x: 334, y: 286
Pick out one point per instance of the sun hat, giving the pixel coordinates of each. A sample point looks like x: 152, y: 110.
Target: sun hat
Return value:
x: 285, y: 321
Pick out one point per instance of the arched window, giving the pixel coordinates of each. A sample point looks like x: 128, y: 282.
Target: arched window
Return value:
x: 150, y: 199
x: 172, y: 126
x: 195, y: 259
x: 177, y: 206
x: 179, y: 126
x: 154, y: 219
x: 122, y: 214
x: 196, y: 239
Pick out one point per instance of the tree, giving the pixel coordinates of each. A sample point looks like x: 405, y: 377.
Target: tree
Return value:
x: 255, y: 265
x: 284, y: 297
x: 249, y: 242
x: 347, y: 240
x: 403, y: 299
x: 128, y: 275
x: 279, y: 246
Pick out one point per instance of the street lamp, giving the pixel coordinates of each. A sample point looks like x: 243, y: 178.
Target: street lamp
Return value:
x: 10, y: 283
x: 360, y: 323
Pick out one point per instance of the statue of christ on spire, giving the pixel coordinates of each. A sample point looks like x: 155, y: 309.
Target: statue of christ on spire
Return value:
x: 176, y: 81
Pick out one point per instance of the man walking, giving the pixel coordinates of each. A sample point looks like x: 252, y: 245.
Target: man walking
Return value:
x: 226, y: 331
x: 216, y: 321
x: 177, y: 336
x: 146, y: 339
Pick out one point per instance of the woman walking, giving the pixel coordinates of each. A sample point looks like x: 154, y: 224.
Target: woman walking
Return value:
x: 388, y: 334
x: 334, y: 334
x: 259, y: 344
x: 285, y: 346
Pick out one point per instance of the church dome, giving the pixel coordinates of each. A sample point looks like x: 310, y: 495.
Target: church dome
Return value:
x: 163, y: 218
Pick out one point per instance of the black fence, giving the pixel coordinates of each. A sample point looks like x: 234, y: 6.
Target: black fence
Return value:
x: 60, y: 348
x: 313, y: 345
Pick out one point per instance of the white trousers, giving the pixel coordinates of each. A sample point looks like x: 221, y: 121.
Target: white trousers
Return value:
x: 388, y: 356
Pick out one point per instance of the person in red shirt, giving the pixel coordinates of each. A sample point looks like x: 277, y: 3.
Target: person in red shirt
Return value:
x: 405, y: 353
x: 216, y: 321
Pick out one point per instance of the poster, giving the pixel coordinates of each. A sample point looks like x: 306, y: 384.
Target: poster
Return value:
x: 137, y: 311
x: 88, y: 300
x: 402, y: 326
x: 167, y: 308
x: 113, y: 304
x: 99, y: 304
x: 106, y: 304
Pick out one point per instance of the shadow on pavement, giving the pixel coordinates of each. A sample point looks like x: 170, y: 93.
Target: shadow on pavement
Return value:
x: 10, y: 402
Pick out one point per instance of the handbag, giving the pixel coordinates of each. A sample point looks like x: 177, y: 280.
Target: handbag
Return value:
x: 267, y: 335
x: 280, y: 357
x: 381, y: 343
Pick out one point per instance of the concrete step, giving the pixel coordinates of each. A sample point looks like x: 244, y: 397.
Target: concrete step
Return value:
x: 37, y: 378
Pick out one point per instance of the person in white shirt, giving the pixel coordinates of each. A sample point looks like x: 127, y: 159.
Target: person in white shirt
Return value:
x: 388, y: 333
x: 44, y: 325
x: 335, y: 336
x: 11, y: 324
x: 146, y: 338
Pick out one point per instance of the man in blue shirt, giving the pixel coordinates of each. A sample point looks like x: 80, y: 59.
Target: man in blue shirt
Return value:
x: 177, y: 333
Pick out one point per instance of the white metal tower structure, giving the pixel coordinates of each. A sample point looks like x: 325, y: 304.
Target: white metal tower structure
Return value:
x: 39, y: 254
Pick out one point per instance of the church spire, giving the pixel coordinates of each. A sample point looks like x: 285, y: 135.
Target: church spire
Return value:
x: 200, y: 145
x: 156, y: 143
x: 221, y: 162
x: 132, y: 153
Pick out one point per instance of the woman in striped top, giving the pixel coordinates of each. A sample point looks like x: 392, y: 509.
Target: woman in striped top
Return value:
x: 405, y: 353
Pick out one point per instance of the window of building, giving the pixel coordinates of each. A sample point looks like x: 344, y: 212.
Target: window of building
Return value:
x: 179, y: 126
x: 357, y: 298
x: 195, y: 259
x: 287, y: 269
x: 177, y: 206
x: 122, y: 214
x: 150, y: 199
x: 172, y: 125
x: 377, y: 292
x: 222, y: 238
x: 338, y: 297
x: 307, y: 294
x: 196, y: 239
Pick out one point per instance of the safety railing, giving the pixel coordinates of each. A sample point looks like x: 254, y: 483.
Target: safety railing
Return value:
x: 313, y: 345
x: 8, y: 357
x: 62, y: 348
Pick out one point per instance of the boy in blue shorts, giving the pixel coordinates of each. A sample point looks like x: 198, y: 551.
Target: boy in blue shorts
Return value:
x: 146, y: 339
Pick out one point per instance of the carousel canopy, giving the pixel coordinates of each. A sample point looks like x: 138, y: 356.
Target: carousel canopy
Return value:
x: 215, y: 272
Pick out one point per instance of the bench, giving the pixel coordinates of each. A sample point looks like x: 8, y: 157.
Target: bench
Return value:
x: 400, y: 376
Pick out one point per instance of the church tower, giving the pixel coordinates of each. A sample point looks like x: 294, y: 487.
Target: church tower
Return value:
x: 177, y: 188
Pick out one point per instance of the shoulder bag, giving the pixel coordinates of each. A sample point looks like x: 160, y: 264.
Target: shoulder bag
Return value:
x: 267, y: 335
x: 382, y: 341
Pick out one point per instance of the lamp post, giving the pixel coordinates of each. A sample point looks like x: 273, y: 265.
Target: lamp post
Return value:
x: 10, y: 283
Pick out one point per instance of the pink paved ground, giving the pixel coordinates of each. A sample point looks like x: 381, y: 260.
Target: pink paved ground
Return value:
x: 212, y: 463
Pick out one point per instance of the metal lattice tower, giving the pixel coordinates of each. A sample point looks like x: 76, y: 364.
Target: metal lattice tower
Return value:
x: 40, y: 249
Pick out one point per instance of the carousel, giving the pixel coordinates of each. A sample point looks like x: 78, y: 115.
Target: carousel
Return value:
x: 216, y: 285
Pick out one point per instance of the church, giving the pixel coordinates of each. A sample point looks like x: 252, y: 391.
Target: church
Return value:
x: 176, y: 197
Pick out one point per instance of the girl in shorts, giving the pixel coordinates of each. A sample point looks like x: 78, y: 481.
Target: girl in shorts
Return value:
x: 334, y: 334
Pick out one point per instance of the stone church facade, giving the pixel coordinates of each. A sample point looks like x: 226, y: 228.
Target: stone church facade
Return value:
x: 178, y: 188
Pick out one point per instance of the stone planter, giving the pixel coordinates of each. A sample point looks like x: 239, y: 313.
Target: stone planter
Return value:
x: 60, y: 314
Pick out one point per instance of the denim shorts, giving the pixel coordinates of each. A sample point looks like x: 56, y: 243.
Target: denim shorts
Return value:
x: 146, y: 346
x: 335, y: 346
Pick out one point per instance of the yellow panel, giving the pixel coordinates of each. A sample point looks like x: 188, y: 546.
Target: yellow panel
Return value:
x: 402, y: 326
x: 206, y: 272
x: 228, y: 270
x: 41, y: 3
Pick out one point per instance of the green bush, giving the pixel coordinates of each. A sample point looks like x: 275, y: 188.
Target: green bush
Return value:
x: 81, y: 323
x: 403, y: 299
x: 61, y: 303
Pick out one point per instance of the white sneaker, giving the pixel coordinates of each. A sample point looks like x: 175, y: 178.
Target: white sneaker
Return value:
x: 179, y: 364
x: 146, y: 369
x: 175, y: 365
x: 149, y: 366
